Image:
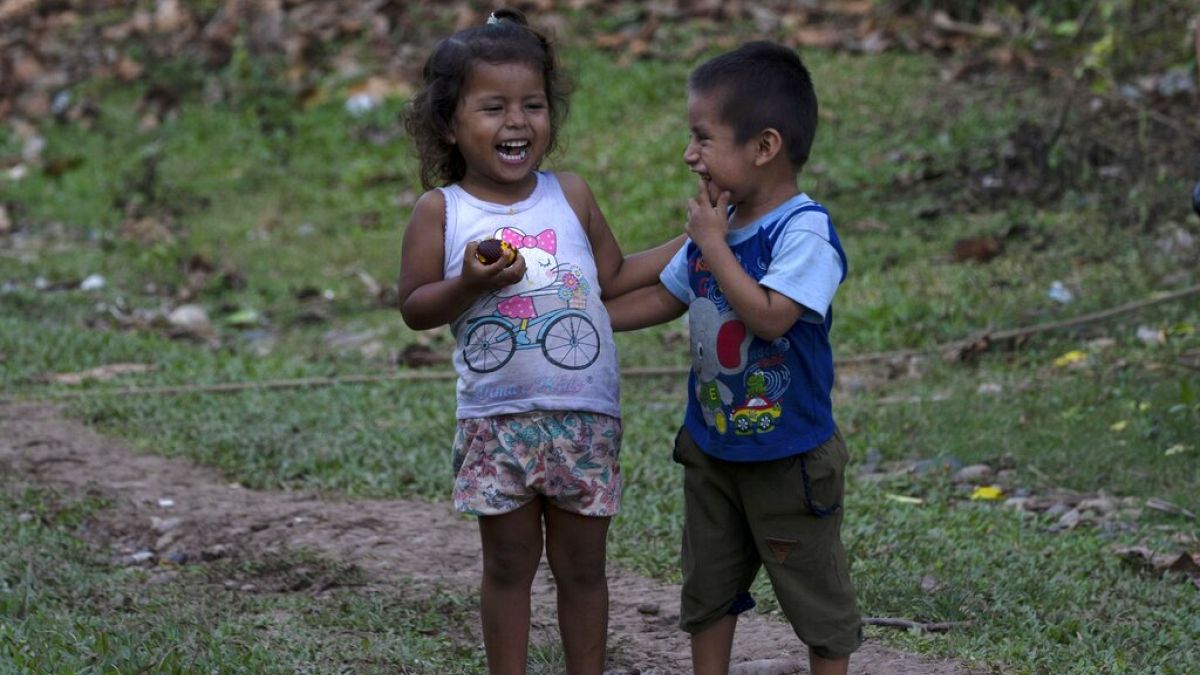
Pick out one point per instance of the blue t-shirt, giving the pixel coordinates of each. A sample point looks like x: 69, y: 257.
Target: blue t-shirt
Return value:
x: 749, y: 399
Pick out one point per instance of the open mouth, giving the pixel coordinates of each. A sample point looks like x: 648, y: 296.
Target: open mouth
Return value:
x: 513, y: 152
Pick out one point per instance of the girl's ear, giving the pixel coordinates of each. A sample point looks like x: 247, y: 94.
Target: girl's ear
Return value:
x: 767, y: 146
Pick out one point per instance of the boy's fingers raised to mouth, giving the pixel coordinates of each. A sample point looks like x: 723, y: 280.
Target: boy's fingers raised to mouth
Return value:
x: 703, y: 195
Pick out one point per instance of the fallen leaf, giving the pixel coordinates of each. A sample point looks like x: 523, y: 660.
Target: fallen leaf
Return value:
x: 101, y: 373
x: 903, y: 499
x: 1118, y: 426
x: 987, y: 493
x: 1071, y: 358
x: 977, y: 249
x: 1147, y: 560
x: 417, y: 355
x: 1167, y: 507
x: 244, y: 317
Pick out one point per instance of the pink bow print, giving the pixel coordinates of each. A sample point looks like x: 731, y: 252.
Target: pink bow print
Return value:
x: 546, y: 240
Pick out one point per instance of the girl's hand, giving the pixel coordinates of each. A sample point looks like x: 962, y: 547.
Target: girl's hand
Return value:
x: 707, y: 222
x: 493, y: 276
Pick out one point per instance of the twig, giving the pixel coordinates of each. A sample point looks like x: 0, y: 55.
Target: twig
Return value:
x: 646, y: 371
x: 1069, y: 102
x: 1026, y: 331
x: 1155, y: 115
x: 1197, y: 41
x: 928, y: 627
x: 1095, y: 317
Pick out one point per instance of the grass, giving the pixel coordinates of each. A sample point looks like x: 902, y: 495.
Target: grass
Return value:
x: 279, y: 220
x: 68, y: 608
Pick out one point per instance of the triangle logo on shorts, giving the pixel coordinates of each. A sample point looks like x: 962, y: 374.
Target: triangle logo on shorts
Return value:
x: 780, y: 547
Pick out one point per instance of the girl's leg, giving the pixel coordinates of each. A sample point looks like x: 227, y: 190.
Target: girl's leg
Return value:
x: 576, y: 548
x: 512, y: 548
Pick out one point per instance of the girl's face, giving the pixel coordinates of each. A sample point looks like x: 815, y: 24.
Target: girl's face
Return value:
x: 502, y: 128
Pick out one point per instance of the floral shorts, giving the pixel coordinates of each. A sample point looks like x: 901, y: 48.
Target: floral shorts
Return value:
x: 503, y: 462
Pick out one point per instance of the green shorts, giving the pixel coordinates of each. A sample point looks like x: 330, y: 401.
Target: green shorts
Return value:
x: 783, y: 514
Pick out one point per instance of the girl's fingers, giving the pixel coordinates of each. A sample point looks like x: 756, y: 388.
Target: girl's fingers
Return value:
x: 514, y: 272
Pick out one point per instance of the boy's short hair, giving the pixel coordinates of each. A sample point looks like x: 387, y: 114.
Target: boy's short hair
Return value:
x: 763, y: 85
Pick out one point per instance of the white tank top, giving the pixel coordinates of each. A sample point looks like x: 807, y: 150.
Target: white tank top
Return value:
x: 545, y: 342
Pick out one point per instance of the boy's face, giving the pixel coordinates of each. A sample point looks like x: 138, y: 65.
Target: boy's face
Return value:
x: 712, y: 150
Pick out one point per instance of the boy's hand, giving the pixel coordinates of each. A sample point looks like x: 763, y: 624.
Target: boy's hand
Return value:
x: 707, y: 222
x: 490, y: 276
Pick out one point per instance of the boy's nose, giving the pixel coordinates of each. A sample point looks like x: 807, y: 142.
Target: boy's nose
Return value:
x: 690, y: 156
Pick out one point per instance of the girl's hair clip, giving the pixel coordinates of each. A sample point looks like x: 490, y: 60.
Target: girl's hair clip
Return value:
x: 492, y: 19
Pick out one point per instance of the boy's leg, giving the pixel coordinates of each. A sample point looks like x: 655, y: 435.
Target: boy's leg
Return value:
x: 512, y: 548
x: 712, y: 647
x: 794, y: 507
x: 576, y: 549
x: 718, y: 556
x: 820, y: 666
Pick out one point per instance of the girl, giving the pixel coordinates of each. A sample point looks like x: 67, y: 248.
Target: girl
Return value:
x: 539, y: 430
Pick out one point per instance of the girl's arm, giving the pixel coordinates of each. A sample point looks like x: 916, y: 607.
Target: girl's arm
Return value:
x: 642, y: 307
x: 618, y: 274
x: 427, y: 298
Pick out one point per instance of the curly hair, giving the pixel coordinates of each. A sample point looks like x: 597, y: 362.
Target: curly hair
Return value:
x: 506, y: 38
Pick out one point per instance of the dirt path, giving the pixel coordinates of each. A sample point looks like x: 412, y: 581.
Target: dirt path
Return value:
x: 387, y: 539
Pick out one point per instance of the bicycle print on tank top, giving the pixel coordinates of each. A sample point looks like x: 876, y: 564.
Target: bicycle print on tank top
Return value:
x: 546, y: 311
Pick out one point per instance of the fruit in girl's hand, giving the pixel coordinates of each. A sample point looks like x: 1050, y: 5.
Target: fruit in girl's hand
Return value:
x: 491, y: 250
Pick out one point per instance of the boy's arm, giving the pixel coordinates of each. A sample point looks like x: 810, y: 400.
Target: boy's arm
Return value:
x: 617, y: 273
x: 643, y: 307
x: 427, y: 298
x: 766, y: 312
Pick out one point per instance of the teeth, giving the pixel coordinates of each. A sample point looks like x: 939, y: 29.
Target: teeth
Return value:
x: 513, y: 151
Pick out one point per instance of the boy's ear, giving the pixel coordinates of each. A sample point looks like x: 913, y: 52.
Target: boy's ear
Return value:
x: 768, y: 145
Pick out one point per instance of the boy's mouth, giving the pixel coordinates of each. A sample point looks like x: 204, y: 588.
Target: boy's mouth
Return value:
x: 513, y: 151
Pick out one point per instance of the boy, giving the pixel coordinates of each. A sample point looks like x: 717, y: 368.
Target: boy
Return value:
x: 763, y: 460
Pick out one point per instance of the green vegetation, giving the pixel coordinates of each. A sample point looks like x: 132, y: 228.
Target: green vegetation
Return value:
x: 283, y: 210
x: 68, y: 608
